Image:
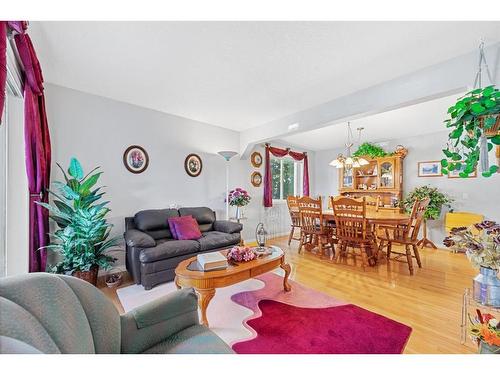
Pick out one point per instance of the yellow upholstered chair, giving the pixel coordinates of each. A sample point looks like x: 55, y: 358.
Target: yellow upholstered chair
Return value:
x: 461, y: 219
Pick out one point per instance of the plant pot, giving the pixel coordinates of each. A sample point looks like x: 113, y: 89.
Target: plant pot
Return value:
x: 486, y: 287
x: 485, y: 348
x: 494, y: 130
x: 114, y: 280
x: 89, y: 276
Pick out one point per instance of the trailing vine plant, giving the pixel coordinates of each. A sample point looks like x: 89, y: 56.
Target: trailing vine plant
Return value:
x: 472, y: 116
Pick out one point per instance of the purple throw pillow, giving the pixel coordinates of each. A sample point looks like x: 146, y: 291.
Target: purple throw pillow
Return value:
x: 186, y: 228
x: 171, y: 224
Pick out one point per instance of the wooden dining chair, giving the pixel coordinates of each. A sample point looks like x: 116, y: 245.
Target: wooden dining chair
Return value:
x: 405, y: 235
x: 313, y: 228
x: 293, y: 209
x: 353, y: 230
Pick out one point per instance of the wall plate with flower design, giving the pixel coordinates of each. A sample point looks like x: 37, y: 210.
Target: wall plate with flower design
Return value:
x: 256, y: 159
x: 256, y: 179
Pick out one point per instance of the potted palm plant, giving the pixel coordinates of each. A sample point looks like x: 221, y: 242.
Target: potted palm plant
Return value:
x: 83, y: 233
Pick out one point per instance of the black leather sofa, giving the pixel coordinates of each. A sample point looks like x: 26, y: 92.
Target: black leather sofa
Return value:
x: 152, y: 252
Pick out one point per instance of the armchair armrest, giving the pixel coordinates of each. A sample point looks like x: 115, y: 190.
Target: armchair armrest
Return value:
x: 150, y: 324
x: 227, y: 226
x: 134, y: 237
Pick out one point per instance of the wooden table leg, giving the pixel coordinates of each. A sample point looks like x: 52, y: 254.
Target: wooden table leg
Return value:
x: 204, y: 298
x: 286, y: 285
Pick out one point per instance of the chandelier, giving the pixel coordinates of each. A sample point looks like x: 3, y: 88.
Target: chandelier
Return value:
x: 348, y: 161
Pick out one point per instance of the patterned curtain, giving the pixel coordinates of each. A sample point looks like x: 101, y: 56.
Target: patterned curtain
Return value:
x: 279, y: 152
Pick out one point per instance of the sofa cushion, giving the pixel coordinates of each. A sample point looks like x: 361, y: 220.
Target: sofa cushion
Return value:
x: 203, y: 215
x: 168, y: 249
x: 193, y: 340
x: 155, y: 222
x: 216, y: 240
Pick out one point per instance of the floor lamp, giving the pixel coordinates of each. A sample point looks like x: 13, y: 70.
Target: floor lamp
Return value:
x: 227, y: 155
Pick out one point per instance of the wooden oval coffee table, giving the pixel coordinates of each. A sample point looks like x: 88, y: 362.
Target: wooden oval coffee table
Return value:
x: 205, y: 283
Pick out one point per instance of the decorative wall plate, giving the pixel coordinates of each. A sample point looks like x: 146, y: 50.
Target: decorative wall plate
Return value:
x: 256, y: 179
x: 135, y: 159
x: 256, y: 159
x: 193, y: 165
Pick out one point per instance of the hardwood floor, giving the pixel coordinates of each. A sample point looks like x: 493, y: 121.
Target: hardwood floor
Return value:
x: 430, y: 301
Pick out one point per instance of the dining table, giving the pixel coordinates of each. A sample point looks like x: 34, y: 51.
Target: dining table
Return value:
x: 376, y: 217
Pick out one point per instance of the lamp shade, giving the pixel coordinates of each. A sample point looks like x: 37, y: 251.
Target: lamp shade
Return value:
x: 227, y: 154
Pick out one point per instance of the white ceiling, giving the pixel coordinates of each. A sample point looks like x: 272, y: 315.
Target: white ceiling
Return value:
x: 243, y: 74
x: 411, y: 121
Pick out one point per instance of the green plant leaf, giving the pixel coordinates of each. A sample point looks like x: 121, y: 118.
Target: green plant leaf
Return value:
x: 451, y: 167
x: 456, y: 157
x: 477, y: 108
x: 495, y: 139
x: 457, y: 133
x: 486, y: 174
x: 444, y: 171
x: 89, y: 183
x: 447, y: 153
x: 463, y: 174
x: 489, y: 122
x: 488, y: 103
x: 75, y: 169
x: 444, y: 163
x: 487, y: 91
x: 494, y: 169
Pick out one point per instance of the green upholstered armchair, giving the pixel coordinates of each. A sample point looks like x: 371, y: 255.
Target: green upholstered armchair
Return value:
x: 48, y: 313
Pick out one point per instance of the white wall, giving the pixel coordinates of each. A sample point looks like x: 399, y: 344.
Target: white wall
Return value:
x: 478, y: 195
x: 17, y: 258
x: 97, y: 130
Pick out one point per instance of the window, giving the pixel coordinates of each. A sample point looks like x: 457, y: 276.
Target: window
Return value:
x: 286, y: 178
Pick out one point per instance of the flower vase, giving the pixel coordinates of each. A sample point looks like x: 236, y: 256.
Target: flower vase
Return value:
x: 486, y: 287
x: 239, y: 213
x: 485, y: 348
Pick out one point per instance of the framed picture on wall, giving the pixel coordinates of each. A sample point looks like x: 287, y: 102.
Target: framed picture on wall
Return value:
x: 456, y: 172
x: 193, y: 165
x: 135, y: 159
x: 429, y: 169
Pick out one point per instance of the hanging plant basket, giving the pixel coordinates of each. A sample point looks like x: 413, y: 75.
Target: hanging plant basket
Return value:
x: 492, y: 131
x: 474, y: 123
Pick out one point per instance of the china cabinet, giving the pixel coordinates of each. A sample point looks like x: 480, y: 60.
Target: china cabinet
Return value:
x: 381, y: 177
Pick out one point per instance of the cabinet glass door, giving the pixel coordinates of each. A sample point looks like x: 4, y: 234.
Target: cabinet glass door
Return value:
x: 347, y: 179
x: 386, y: 175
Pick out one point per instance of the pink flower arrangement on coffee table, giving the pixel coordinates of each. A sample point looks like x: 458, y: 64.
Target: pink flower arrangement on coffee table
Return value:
x: 241, y: 254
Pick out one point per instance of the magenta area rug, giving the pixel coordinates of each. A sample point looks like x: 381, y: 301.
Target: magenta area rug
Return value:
x: 308, y: 322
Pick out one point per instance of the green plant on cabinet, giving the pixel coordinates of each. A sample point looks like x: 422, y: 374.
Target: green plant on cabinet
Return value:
x: 371, y: 150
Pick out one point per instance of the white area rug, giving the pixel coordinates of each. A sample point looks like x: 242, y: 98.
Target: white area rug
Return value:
x: 224, y: 316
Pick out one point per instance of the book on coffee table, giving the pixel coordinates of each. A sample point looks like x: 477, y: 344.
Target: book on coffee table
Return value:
x: 212, y: 261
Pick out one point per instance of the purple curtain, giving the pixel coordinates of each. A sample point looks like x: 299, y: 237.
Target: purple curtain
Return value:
x: 279, y: 152
x: 37, y: 147
x: 3, y: 64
